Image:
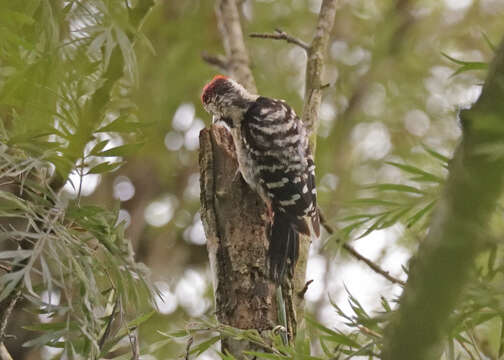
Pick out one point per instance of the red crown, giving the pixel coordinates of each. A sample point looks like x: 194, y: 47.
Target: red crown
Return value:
x: 211, y: 84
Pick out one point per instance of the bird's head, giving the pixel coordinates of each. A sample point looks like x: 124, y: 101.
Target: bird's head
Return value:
x: 225, y: 99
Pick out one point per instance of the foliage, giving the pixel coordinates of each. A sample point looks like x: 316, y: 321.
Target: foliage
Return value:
x: 388, y: 203
x: 64, y: 107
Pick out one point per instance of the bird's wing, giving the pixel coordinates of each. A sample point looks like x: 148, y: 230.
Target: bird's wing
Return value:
x: 277, y: 141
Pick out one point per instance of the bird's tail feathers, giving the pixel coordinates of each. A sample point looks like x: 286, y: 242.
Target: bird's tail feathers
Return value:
x: 284, y: 247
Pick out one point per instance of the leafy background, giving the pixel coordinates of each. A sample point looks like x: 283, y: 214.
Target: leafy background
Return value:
x: 85, y: 95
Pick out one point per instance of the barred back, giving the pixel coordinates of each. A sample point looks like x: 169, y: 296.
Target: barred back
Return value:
x: 280, y: 166
x: 278, y: 146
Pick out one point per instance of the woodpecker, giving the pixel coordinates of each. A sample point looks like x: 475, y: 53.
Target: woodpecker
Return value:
x: 274, y: 159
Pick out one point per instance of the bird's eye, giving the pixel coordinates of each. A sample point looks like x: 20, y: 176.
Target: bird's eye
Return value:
x: 206, y: 97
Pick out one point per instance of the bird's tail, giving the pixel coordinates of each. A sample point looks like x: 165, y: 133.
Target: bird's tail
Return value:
x: 284, y: 247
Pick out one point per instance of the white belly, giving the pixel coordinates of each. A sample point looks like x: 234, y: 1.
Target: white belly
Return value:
x: 246, y: 165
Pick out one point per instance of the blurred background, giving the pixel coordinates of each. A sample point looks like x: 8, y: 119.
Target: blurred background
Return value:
x: 392, y: 97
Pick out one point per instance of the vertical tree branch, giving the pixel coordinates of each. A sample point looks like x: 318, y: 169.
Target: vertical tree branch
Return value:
x: 311, y: 109
x: 458, y: 230
x: 228, y: 20
x: 315, y: 65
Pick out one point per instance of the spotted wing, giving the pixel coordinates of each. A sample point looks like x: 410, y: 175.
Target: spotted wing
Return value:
x: 278, y: 144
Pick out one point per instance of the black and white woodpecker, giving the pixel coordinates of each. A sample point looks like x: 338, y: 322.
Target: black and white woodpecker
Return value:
x: 275, y: 160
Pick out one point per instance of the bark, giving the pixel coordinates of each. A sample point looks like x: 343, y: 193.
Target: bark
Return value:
x: 458, y: 231
x: 234, y: 217
x: 236, y: 225
x: 315, y: 65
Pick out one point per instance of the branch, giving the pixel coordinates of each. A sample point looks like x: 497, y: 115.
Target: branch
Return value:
x: 457, y: 232
x: 219, y: 61
x: 281, y: 35
x: 13, y: 299
x: 303, y: 291
x: 375, y: 267
x: 315, y: 66
x: 232, y: 37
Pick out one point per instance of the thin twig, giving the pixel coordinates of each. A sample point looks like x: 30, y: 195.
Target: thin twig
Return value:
x: 303, y: 291
x: 219, y: 61
x: 109, y: 324
x: 16, y: 295
x: 367, y: 331
x: 188, y: 347
x: 375, y: 267
x: 135, y: 345
x: 474, y: 343
x: 281, y: 35
x: 466, y: 349
x: 324, y: 223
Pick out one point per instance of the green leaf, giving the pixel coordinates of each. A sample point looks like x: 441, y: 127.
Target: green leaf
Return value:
x: 465, y: 65
x: 365, y: 350
x: 123, y: 150
x: 11, y: 201
x: 122, y: 124
x: 128, y: 54
x: 490, y: 44
x: 436, y: 154
x: 105, y: 167
x: 175, y: 334
x: 395, y: 217
x: 97, y: 43
x: 325, y: 348
x: 98, y: 147
x: 419, y: 214
x: 14, y: 38
x: 17, y: 254
x: 44, y: 339
x: 424, y: 175
x: 396, y: 187
x: 9, y: 282
x: 52, y: 326
x: 141, y: 319
x: 358, y: 216
x: 376, y: 225
x: 332, y: 336
x: 385, y: 304
x: 349, y: 228
x: 372, y: 201
x: 7, y: 15
x: 263, y: 355
x: 202, y: 347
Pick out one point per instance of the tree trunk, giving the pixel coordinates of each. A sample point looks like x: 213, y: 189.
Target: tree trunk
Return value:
x: 458, y: 230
